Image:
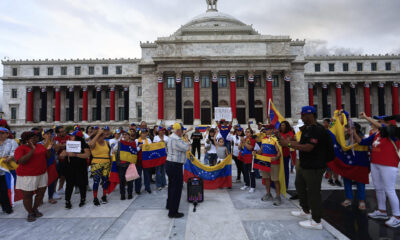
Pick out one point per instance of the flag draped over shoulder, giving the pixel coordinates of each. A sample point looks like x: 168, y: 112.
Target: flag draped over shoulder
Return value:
x: 263, y: 161
x: 11, y: 179
x: 214, y: 177
x: 127, y: 153
x: 153, y: 154
x: 351, y: 162
x: 274, y: 115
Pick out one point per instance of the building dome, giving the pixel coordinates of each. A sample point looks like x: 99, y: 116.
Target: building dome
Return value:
x: 215, y: 23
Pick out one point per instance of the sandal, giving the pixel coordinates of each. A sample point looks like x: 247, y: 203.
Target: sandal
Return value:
x: 52, y: 201
x: 37, y: 213
x: 346, y: 203
x: 31, y: 217
x: 361, y: 206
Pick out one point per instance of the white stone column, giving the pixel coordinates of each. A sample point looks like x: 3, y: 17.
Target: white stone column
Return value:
x: 298, y: 91
x: 149, y: 96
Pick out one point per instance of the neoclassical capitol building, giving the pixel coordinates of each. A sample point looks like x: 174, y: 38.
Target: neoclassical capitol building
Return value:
x: 214, y: 60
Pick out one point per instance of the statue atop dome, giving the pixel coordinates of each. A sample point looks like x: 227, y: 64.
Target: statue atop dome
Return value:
x: 211, y: 5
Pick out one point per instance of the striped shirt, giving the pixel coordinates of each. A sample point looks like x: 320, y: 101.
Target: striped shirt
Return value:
x: 177, y: 149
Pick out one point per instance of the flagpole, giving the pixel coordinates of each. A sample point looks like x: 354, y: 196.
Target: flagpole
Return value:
x: 268, y: 110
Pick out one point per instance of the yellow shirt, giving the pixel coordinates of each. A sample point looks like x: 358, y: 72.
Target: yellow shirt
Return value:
x: 101, y: 154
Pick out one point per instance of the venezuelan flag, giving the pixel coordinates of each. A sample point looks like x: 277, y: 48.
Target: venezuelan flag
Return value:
x: 51, y: 168
x: 274, y: 116
x: 214, y: 177
x: 11, y: 179
x: 113, y: 178
x: 202, y: 128
x: 128, y: 152
x: 263, y: 161
x: 153, y: 154
x: 351, y: 162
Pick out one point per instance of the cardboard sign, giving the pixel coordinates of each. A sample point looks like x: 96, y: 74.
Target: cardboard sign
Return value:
x: 223, y: 113
x: 73, y: 146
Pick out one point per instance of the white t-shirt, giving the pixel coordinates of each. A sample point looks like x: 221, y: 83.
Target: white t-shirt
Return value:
x: 236, y: 143
x: 158, y: 139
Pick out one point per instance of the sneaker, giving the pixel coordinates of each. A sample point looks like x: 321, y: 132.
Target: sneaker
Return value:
x: 82, y: 203
x: 104, y: 200
x: 176, y: 215
x: 311, y: 224
x: 301, y: 214
x: 130, y: 196
x: 61, y: 191
x: 56, y: 196
x: 267, y: 197
x: 346, y: 203
x: 393, y: 222
x: 252, y: 190
x: 159, y: 189
x: 277, y: 201
x: 338, y: 183
x: 123, y: 197
x: 244, y: 187
x: 378, y: 215
x: 96, y: 202
x: 68, y: 205
x: 330, y: 181
x: 238, y: 180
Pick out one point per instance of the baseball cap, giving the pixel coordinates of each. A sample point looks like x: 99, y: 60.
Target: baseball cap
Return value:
x: 76, y: 133
x: 178, y: 126
x: 49, y: 130
x: 117, y: 131
x: 4, y: 130
x: 133, y: 124
x: 107, y: 128
x: 95, y: 127
x: 308, y: 110
x: 269, y: 127
x: 76, y: 127
x: 240, y: 129
x: 143, y: 130
x: 379, y: 117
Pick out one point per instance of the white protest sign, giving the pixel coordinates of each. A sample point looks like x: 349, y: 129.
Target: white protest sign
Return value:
x: 73, y: 146
x: 223, y: 113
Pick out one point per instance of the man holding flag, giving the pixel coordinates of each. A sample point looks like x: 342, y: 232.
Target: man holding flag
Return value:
x: 316, y: 148
x: 177, y: 148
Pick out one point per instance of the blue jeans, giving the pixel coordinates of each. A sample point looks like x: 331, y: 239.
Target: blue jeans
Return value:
x: 51, y: 189
x: 349, y: 190
x: 161, y: 181
x: 205, y: 158
x: 146, y: 177
x: 228, y: 146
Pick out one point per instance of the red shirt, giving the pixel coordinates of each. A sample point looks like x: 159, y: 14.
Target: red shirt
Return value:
x: 383, y: 151
x: 36, y: 165
x: 286, y: 150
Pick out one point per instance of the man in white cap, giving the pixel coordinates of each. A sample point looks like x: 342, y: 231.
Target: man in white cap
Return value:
x: 177, y: 148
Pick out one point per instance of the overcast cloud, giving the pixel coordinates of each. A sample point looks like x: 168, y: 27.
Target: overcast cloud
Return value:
x: 114, y: 28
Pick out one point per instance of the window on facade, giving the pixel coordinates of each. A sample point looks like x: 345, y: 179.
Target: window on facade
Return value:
x: 50, y: 71
x: 345, y: 67
x: 53, y: 114
x: 14, y: 93
x: 94, y: 114
x: 121, y: 114
x: 107, y: 113
x: 36, y: 71
x: 105, y: 70
x: 80, y: 113
x: 188, y: 82
x: 118, y: 70
x: 275, y: 81
x: 388, y: 66
x: 66, y: 114
x: 373, y: 66
x: 205, y: 81
x: 171, y: 82
x: 94, y: 92
x: 14, y: 71
x: 222, y: 81
x: 331, y: 67
x: 107, y: 94
x: 63, y: 70
x: 139, y: 91
x: 77, y: 70
x: 240, y: 81
x: 91, y: 70
x: 317, y: 67
x: 139, y: 70
x: 257, y: 81
x: 80, y: 94
x: 139, y: 110
x: 359, y: 66
x: 120, y: 93
x: 13, y: 113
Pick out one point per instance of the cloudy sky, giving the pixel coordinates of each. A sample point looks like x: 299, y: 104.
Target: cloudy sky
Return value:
x: 114, y: 28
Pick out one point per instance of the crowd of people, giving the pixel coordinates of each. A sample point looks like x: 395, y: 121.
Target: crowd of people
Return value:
x: 307, y: 148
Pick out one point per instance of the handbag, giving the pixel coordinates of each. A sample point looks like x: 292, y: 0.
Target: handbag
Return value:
x: 131, y: 173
